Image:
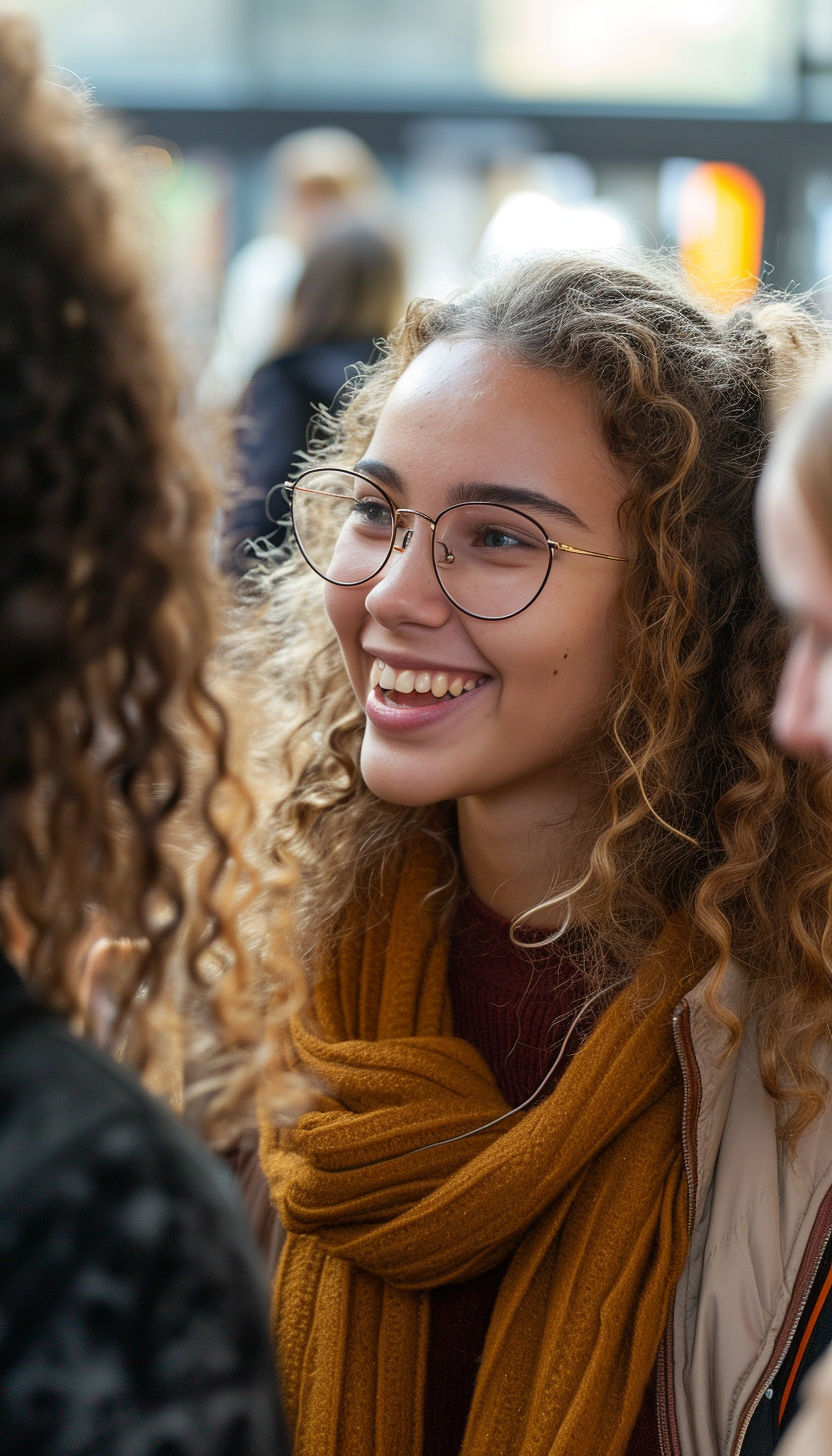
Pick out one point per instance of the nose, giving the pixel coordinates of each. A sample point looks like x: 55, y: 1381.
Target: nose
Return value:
x: 797, y: 721
x: 407, y: 589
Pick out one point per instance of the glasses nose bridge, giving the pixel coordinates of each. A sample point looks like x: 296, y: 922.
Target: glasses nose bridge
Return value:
x: 408, y: 530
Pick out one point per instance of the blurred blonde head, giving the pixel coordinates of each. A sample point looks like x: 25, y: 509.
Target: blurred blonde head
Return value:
x: 322, y: 176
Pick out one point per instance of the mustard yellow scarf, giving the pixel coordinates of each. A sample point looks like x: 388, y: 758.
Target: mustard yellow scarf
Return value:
x: 587, y: 1190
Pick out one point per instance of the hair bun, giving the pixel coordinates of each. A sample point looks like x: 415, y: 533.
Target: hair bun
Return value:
x: 796, y: 341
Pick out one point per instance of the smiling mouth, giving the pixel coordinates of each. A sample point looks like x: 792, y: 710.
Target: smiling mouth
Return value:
x: 409, y: 687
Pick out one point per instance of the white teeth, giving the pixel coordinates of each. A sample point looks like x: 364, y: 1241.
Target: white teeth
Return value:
x: 409, y: 680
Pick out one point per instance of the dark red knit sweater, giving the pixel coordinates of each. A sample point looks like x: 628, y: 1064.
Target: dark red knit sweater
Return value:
x: 514, y: 1006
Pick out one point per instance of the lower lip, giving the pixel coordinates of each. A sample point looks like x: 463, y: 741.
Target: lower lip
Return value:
x: 393, y: 718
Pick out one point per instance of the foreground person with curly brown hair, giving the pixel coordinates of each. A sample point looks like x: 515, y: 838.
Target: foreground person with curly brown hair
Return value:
x: 132, y: 1313
x: 566, y: 902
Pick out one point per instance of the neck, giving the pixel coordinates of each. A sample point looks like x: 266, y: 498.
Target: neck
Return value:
x: 521, y: 844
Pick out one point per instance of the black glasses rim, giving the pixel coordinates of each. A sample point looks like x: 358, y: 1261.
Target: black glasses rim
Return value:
x: 288, y: 489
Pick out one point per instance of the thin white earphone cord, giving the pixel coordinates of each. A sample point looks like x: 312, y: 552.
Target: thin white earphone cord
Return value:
x: 486, y: 1126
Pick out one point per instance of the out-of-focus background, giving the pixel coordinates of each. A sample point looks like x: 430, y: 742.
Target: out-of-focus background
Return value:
x: 489, y: 127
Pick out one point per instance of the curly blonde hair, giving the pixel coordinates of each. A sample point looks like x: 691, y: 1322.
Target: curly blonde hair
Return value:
x: 112, y: 742
x: 700, y: 810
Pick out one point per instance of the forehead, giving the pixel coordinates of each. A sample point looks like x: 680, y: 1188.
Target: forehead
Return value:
x: 473, y: 411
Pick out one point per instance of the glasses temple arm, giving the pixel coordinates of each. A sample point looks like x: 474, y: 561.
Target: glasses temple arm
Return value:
x: 580, y: 551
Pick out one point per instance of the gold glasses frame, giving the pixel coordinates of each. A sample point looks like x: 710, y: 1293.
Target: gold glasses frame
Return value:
x: 288, y: 490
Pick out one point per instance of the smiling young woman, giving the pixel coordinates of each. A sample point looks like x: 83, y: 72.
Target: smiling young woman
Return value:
x: 565, y: 903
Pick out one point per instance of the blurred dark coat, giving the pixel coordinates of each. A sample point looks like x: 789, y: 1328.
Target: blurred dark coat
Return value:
x: 274, y: 418
x: 134, y: 1308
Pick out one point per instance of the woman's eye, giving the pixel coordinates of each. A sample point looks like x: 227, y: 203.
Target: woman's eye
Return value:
x: 369, y: 512
x: 497, y: 538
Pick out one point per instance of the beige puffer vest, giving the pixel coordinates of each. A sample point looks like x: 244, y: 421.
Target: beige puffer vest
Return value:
x: 760, y: 1223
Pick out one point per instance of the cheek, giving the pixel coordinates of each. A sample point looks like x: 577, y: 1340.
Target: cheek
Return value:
x: 567, y: 665
x: 346, y: 611
x: 823, y: 699
x: 790, y: 706
x: 581, y: 643
x: 804, y: 699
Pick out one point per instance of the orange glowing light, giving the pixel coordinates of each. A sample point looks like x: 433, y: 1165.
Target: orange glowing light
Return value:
x: 721, y: 209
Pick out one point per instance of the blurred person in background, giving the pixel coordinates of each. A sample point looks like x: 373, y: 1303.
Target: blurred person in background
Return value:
x: 795, y: 522
x: 565, y: 902
x: 320, y: 180
x: 350, y: 296
x: 132, y: 1309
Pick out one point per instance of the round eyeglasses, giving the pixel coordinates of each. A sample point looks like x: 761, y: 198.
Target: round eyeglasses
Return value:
x: 491, y: 561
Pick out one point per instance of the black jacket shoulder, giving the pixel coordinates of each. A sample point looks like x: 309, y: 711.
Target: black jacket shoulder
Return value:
x: 275, y: 415
x: 132, y: 1303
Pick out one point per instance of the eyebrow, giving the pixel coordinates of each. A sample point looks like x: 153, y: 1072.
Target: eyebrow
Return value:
x: 479, y: 490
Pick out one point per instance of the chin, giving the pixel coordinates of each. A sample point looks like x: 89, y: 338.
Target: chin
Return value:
x: 404, y: 784
x: 392, y: 791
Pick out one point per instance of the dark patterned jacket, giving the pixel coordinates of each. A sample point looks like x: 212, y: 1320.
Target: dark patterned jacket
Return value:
x: 132, y: 1303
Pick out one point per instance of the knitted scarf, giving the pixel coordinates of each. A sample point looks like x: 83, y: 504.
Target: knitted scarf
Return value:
x: 587, y: 1190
